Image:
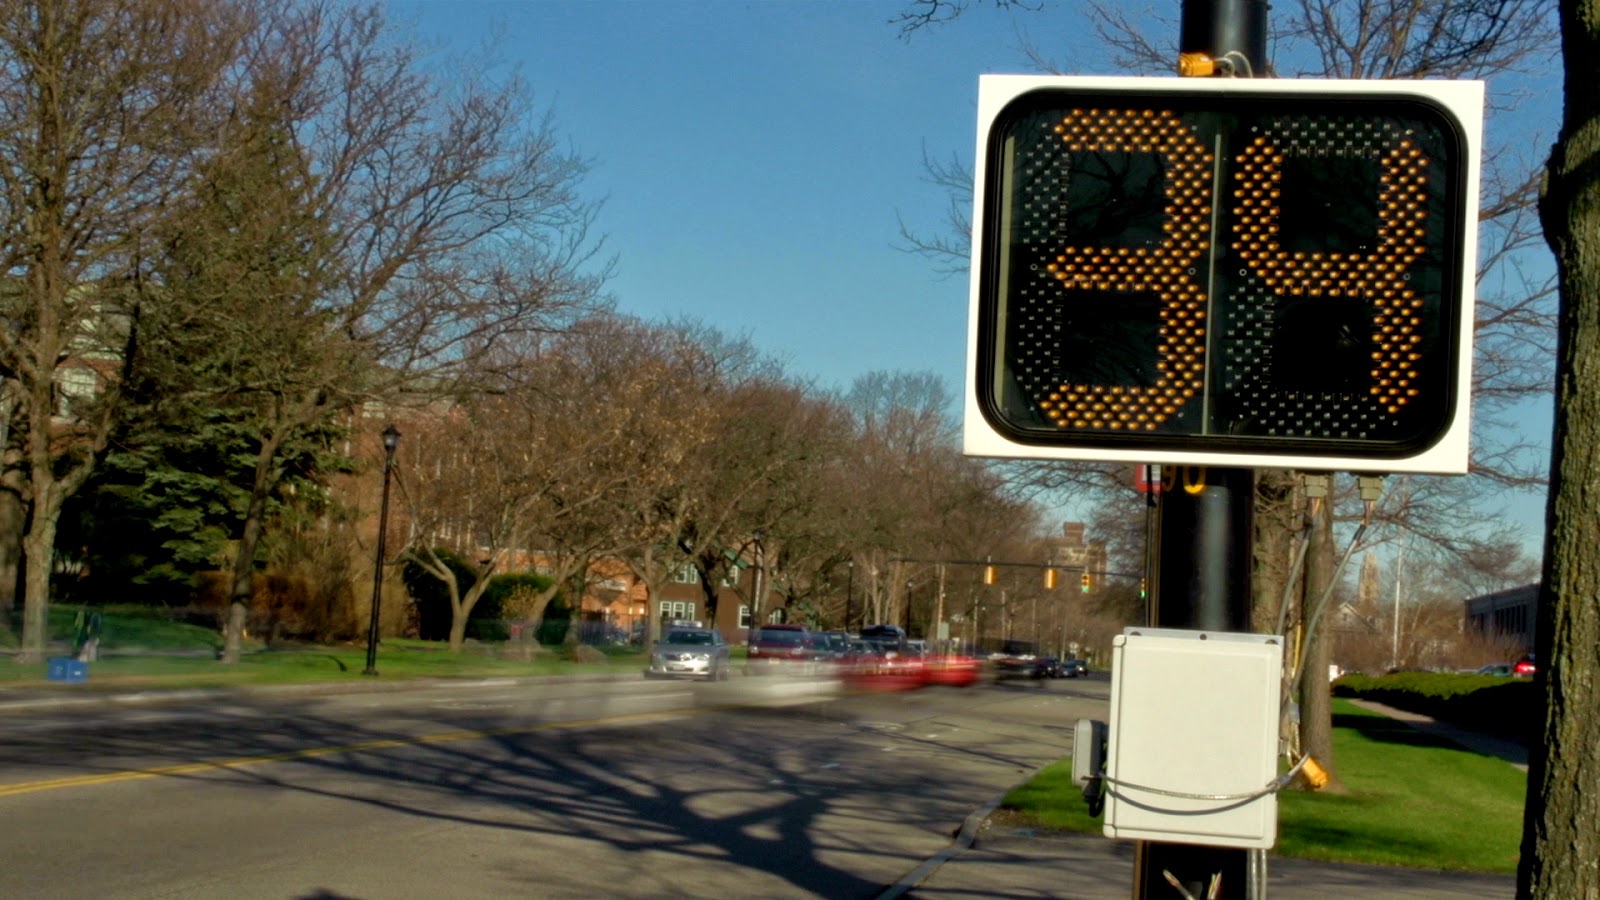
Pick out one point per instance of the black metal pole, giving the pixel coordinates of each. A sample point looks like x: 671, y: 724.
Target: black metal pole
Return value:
x: 390, y: 438
x: 1205, y: 516
x: 849, y: 594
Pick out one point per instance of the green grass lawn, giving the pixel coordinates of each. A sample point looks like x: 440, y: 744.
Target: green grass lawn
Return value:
x: 1414, y: 801
x: 126, y: 626
x: 142, y: 648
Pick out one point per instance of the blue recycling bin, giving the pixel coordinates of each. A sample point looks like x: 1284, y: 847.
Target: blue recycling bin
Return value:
x: 68, y: 670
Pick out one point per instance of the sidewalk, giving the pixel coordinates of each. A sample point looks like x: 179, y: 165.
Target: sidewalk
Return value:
x: 993, y: 861
x: 1088, y: 867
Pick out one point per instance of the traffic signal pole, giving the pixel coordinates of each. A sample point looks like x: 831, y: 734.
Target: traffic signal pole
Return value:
x: 1205, y: 520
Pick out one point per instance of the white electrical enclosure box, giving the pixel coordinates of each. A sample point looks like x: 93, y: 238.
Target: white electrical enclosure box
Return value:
x: 1193, y: 737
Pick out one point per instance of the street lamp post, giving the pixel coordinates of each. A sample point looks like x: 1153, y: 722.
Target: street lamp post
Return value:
x: 758, y: 604
x: 849, y: 591
x: 391, y: 437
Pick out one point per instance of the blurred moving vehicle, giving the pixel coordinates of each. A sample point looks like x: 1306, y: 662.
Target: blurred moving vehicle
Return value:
x: 1047, y: 667
x: 952, y: 670
x: 1072, y: 668
x: 1007, y: 666
x: 691, y: 652
x: 1525, y: 666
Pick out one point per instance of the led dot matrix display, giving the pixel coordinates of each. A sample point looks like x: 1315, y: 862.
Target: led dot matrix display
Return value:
x: 1226, y: 271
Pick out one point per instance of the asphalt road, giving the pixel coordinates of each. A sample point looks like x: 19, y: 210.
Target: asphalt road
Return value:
x: 750, y: 788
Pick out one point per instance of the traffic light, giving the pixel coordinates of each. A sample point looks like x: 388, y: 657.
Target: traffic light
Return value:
x: 1085, y: 582
x: 988, y: 574
x: 1144, y: 588
x: 1224, y: 272
x: 1049, y: 579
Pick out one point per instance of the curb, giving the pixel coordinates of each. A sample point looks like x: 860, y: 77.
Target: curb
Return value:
x: 965, y: 838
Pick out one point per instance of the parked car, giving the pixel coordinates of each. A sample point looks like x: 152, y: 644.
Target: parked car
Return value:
x: 690, y: 652
x: 890, y: 639
x: 773, y: 645
x: 830, y: 646
x: 1504, y: 669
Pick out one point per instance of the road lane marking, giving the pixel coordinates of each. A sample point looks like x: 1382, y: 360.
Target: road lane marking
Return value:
x: 72, y: 781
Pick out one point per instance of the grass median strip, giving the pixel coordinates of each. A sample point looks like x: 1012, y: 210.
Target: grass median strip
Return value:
x: 1414, y: 800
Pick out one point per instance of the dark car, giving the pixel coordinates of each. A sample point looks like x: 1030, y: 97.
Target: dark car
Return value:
x: 1072, y: 668
x: 772, y: 645
x: 830, y: 646
x: 890, y: 638
x: 1008, y: 666
x: 1046, y: 667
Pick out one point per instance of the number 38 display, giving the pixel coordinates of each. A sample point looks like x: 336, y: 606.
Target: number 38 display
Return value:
x: 1224, y: 272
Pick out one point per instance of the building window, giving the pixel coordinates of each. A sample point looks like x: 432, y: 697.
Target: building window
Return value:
x: 686, y: 574
x: 72, y: 385
x: 732, y: 578
x: 677, y: 609
x: 744, y: 616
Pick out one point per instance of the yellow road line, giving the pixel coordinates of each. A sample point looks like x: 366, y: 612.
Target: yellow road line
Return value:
x: 52, y: 784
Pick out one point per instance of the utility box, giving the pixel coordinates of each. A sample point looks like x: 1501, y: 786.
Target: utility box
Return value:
x: 1193, y: 737
x: 67, y: 669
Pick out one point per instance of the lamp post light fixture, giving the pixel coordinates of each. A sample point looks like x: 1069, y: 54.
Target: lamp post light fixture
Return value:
x: 391, y: 437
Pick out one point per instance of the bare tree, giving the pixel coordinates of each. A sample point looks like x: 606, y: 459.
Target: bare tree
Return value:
x: 108, y: 102
x: 542, y: 469
x: 430, y: 217
x: 1561, y: 825
x: 697, y: 363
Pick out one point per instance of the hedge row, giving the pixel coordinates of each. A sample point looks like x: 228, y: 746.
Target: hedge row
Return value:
x: 1509, y: 707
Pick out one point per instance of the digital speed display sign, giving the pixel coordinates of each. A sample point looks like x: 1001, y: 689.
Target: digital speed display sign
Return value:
x: 1224, y: 272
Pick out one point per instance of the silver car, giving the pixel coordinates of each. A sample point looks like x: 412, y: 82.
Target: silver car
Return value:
x: 693, y: 652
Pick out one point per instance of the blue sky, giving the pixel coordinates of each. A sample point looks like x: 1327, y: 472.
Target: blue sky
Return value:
x: 755, y: 159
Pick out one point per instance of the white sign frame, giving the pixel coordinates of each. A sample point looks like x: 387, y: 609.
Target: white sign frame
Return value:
x: 1447, y: 456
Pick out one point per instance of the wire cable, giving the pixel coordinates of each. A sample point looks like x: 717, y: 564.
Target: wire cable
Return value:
x: 1272, y: 787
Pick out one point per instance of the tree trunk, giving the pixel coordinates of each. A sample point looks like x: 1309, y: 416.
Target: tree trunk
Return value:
x: 13, y: 523
x: 242, y: 581
x: 1561, y: 819
x: 1277, y: 521
x: 39, y: 545
x: 461, y: 610
x: 1316, y: 700
x: 244, y: 562
x: 458, y: 633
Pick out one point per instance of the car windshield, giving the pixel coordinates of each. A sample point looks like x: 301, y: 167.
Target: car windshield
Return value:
x: 779, y: 636
x: 688, y: 637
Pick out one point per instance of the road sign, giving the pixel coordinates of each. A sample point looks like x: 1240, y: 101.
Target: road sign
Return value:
x: 1224, y: 272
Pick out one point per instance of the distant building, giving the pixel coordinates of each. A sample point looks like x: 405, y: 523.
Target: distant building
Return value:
x: 1510, y: 613
x: 1075, y: 552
